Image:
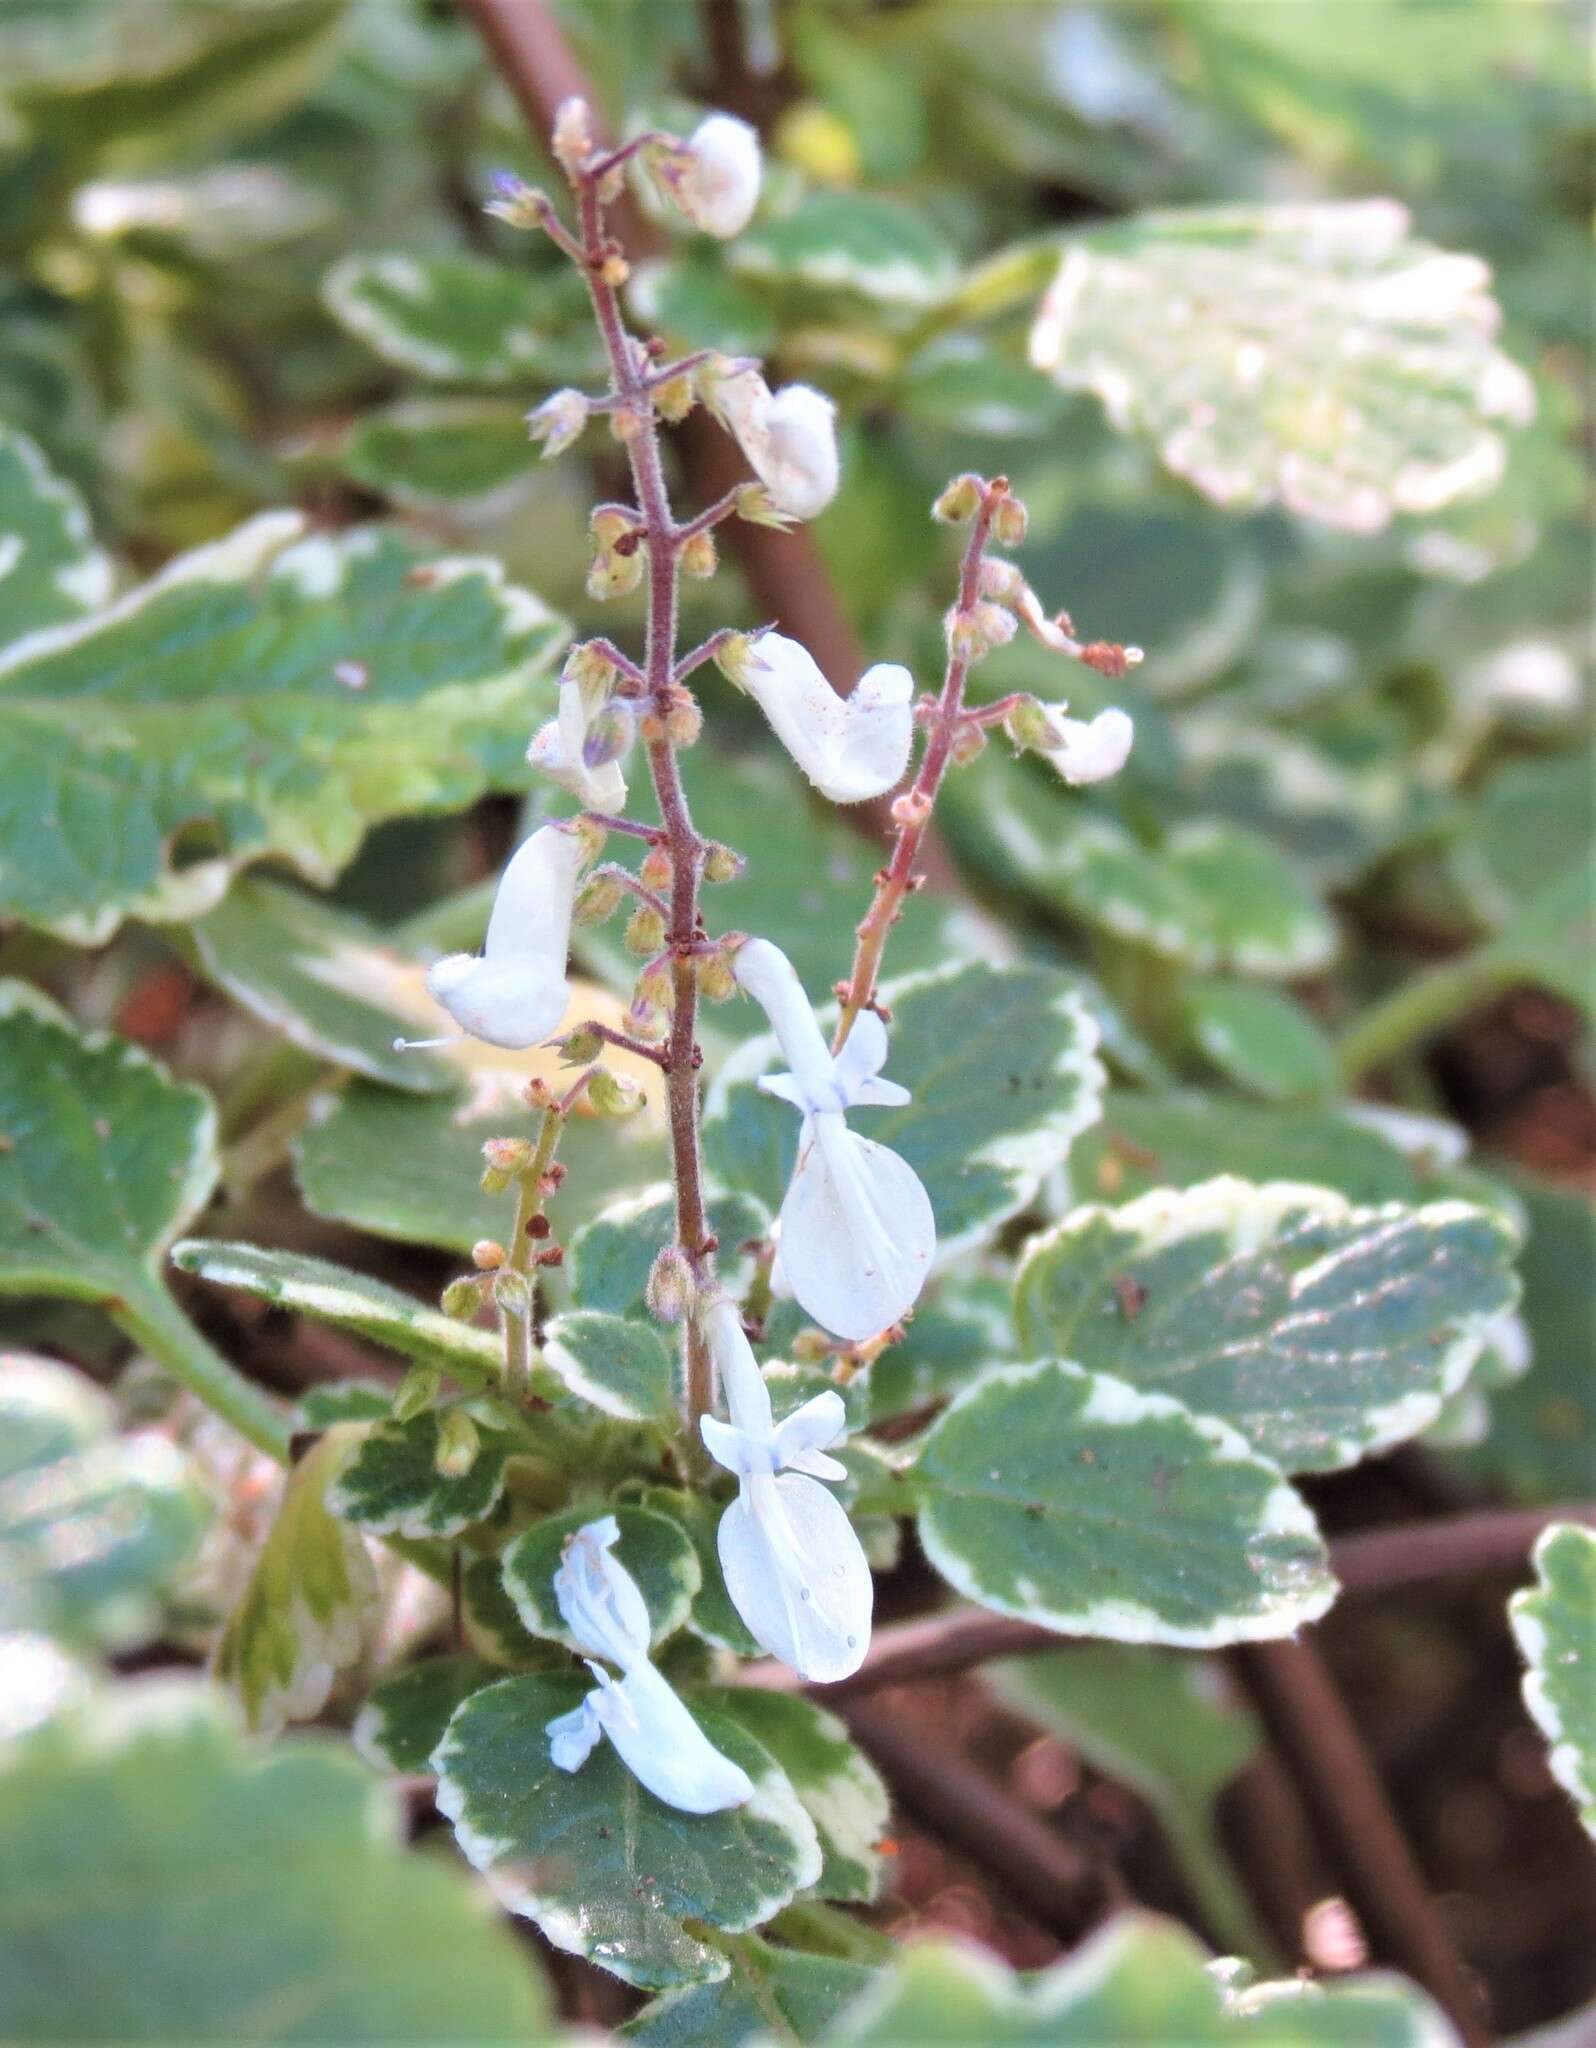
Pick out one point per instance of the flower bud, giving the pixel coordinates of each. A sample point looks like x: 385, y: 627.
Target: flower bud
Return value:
x: 589, y: 837
x: 508, y: 1155
x: 732, y: 658
x: 614, y: 1094
x: 588, y: 666
x: 600, y: 898
x: 512, y: 1293
x: 759, y: 508
x: 558, y: 421
x: 654, y: 988
x: 461, y: 1299
x: 684, y: 722
x: 487, y: 1255
x: 698, y: 556
x: 572, y: 140
x: 644, y: 1020
x: 416, y: 1392
x: 1001, y: 580
x: 810, y: 1347
x: 960, y: 502
x: 656, y: 869
x: 721, y: 864
x: 645, y: 931
x: 716, y: 981
x: 1027, y: 724
x: 674, y: 399
x: 968, y: 741
x: 458, y: 1444
x: 514, y: 201
x: 613, y: 575
x: 580, y: 1047
x: 617, y: 565
x: 1009, y: 522
x: 615, y: 270
x: 670, y: 1288
x: 1110, y: 659
x: 993, y: 625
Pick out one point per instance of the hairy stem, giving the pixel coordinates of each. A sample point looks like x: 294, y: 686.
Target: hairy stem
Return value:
x: 522, y: 1257
x: 896, y: 879
x: 662, y: 542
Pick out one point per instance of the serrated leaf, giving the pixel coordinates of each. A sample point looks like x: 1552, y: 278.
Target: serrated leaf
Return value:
x: 303, y: 1616
x: 805, y: 1991
x: 348, y: 1301
x: 324, y: 978
x: 140, y: 1838
x: 1002, y: 1068
x: 854, y: 242
x: 837, y: 1784
x: 620, y: 1365
x: 91, y: 1523
x: 1144, y: 1142
x: 1139, y: 1982
x: 1322, y: 1332
x: 391, y: 1484
x: 604, y: 1868
x: 455, y: 319
x: 1312, y: 355
x: 266, y: 695
x: 1555, y: 1627
x: 405, y: 1714
x: 411, y: 1168
x: 712, y: 1616
x: 470, y: 455
x: 1260, y: 1039
x: 611, y: 1256
x: 1077, y: 1501
x: 50, y: 569
x: 654, y: 1549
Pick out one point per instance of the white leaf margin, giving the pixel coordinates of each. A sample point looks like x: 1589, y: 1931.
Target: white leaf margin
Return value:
x: 1572, y: 1767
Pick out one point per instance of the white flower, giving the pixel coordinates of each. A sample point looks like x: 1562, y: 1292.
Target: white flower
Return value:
x: 1087, y: 751
x: 857, y: 1233
x: 514, y: 992
x: 558, y: 421
x: 850, y: 747
x: 789, y: 437
x: 581, y: 748
x: 657, y: 1738
x: 715, y: 179
x: 794, y: 1568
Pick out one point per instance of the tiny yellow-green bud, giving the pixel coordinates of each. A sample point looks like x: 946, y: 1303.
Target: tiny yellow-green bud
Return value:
x: 458, y: 1444
x: 968, y: 741
x: 721, y: 864
x: 716, y: 981
x: 645, y: 931
x: 579, y: 1047
x: 614, y: 1094
x: 487, y: 1255
x: 591, y: 669
x: 1027, y: 724
x: 757, y: 507
x: 494, y: 1180
x: 656, y: 868
x: 1009, y: 523
x: 599, y: 898
x: 461, y: 1299
x: 589, y: 836
x: 508, y: 1155
x: 684, y: 722
x: 732, y: 658
x: 416, y: 1392
x: 698, y: 556
x: 654, y: 988
x: 959, y: 503
x: 675, y: 398
x: 810, y: 1347
x: 670, y: 1288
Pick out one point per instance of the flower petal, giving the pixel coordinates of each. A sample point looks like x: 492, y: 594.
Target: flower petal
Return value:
x: 851, y: 748
x: 572, y: 1736
x: 509, y: 1005
x: 770, y: 978
x: 797, y: 1575
x: 741, y: 1381
x: 717, y: 179
x: 857, y: 1232
x: 1090, y: 751
x: 599, y: 1599
x: 820, y: 1421
x: 663, y: 1746
x: 516, y: 993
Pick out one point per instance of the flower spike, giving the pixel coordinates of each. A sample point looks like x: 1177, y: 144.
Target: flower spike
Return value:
x: 656, y: 1737
x: 851, y: 748
x: 857, y: 1232
x: 514, y: 993
x: 794, y: 1568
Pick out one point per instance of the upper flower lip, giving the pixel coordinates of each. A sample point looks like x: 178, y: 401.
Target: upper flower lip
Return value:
x: 515, y: 992
x: 852, y: 748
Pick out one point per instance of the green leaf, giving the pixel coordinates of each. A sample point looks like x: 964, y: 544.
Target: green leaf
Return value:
x: 492, y: 1626
x: 1074, y: 1500
x: 470, y: 455
x: 960, y: 384
x: 91, y: 1523
x: 853, y: 242
x: 1555, y: 1626
x: 140, y: 1839
x: 836, y: 1783
x: 411, y: 1168
x: 1146, y: 1142
x: 392, y: 1486
x: 266, y: 695
x: 455, y: 319
x: 621, y: 1366
x: 691, y: 299
x: 962, y: 1327
x: 655, y: 1550
x: 805, y: 1992
x: 1312, y: 355
x: 1263, y: 921
x: 611, y: 1257
x: 405, y: 1714
x: 1139, y: 1982
x: 1002, y: 1068
x: 604, y: 1868
x: 50, y: 569
x: 311, y: 1596
x: 324, y: 978
x: 712, y: 1617
x: 1260, y: 1039
x: 1322, y: 1332
x: 348, y: 1301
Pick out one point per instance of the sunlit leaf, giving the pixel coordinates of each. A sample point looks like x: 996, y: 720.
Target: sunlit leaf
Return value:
x: 612, y: 1255
x: 470, y: 455
x: 50, y: 568
x: 394, y: 1484
x: 619, y: 1364
x: 1555, y: 1624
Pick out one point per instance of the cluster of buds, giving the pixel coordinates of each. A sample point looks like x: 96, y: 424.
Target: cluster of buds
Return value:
x: 680, y: 721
